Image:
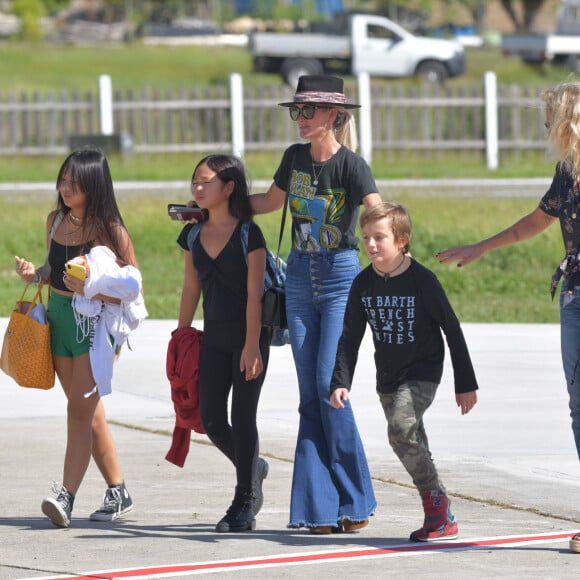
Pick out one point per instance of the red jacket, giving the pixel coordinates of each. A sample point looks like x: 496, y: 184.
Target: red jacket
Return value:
x: 183, y: 354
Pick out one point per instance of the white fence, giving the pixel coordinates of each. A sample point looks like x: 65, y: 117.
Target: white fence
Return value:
x: 483, y: 118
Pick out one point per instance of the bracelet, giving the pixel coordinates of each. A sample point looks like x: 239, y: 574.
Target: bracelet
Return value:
x: 37, y: 278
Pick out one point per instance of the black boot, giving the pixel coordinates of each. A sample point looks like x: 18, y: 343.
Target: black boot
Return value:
x: 262, y: 473
x: 240, y: 516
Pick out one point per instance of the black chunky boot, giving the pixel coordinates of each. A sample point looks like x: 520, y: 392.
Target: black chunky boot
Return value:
x: 240, y: 515
x: 262, y: 473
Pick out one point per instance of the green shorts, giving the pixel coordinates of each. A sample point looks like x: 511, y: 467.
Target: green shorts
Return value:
x: 63, y: 328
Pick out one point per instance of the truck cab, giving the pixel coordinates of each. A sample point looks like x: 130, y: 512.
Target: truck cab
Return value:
x: 383, y: 48
x: 568, y: 18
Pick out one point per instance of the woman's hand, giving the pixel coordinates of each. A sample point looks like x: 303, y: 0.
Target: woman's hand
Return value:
x: 74, y: 284
x: 25, y: 270
x: 251, y: 363
x: 463, y: 255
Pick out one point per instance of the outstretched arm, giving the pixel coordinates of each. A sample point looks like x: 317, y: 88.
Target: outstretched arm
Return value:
x: 527, y: 227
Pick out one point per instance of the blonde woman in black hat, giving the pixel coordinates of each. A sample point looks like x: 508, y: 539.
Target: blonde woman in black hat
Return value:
x: 327, y: 183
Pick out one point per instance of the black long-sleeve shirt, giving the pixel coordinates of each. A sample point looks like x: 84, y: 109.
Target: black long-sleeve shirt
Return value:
x: 406, y: 314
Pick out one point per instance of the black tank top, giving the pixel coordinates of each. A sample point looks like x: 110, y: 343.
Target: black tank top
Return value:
x: 58, y: 255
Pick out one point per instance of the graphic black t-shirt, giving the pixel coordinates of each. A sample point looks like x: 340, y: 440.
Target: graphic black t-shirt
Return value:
x: 406, y: 314
x: 324, y: 216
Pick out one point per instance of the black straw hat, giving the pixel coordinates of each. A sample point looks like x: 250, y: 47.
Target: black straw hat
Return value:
x: 320, y: 90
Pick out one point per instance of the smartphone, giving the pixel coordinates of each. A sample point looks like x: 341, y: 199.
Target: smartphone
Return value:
x: 77, y: 270
x: 181, y: 212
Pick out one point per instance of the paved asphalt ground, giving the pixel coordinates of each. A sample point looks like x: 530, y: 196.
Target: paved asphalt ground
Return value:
x: 510, y: 467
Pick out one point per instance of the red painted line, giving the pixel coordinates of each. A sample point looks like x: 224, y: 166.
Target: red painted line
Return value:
x: 314, y: 557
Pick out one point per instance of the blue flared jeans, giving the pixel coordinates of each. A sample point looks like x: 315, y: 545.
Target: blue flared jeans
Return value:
x: 331, y: 480
x: 570, y: 344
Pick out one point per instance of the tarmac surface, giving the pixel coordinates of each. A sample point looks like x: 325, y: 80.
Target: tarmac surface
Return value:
x: 510, y: 467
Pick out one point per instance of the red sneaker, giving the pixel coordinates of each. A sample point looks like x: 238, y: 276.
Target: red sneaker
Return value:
x: 448, y: 531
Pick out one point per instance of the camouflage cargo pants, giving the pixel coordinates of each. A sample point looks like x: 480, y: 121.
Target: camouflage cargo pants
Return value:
x: 404, y: 410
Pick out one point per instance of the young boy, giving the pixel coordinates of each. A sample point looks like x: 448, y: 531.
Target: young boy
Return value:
x: 406, y: 308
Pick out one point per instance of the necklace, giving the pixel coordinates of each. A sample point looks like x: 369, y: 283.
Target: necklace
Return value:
x: 68, y: 232
x: 387, y: 275
x: 322, y: 166
x: 71, y: 232
x: 74, y: 220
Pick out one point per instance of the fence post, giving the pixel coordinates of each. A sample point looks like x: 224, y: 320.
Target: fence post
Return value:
x: 106, y: 104
x: 237, y: 113
x: 491, y: 129
x: 365, y: 128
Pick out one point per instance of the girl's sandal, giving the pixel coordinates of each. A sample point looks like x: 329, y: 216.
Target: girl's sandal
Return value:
x: 575, y: 543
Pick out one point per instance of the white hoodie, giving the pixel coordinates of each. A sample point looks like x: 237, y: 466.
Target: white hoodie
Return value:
x: 108, y: 323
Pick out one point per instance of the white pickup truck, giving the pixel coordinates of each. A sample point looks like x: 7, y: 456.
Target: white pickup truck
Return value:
x: 561, y: 47
x: 363, y: 43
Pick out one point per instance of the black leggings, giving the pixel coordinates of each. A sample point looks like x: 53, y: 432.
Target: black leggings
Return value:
x: 219, y: 374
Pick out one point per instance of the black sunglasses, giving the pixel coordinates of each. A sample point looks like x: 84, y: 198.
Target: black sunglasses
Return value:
x: 307, y: 111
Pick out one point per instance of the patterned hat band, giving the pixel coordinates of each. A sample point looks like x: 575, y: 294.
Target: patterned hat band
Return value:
x: 320, y: 97
x: 320, y: 90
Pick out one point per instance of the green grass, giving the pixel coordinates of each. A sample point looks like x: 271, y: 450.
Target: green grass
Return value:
x: 509, y: 285
x: 42, y: 68
x: 132, y: 66
x: 385, y: 165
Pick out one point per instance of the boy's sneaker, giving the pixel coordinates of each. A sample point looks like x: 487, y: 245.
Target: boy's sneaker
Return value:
x: 58, y: 510
x: 448, y: 531
x: 116, y: 503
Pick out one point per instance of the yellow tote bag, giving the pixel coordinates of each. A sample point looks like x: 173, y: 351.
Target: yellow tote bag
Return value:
x: 26, y: 354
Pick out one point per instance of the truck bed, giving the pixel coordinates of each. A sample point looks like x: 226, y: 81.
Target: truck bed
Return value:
x: 520, y: 43
x: 309, y: 45
x: 540, y: 47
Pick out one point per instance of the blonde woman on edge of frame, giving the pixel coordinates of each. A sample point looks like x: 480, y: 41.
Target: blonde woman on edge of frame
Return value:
x: 560, y: 203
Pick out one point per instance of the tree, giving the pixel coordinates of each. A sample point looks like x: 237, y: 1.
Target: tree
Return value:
x: 530, y: 9
x: 522, y: 13
x: 30, y: 12
x: 476, y: 9
x: 54, y: 6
